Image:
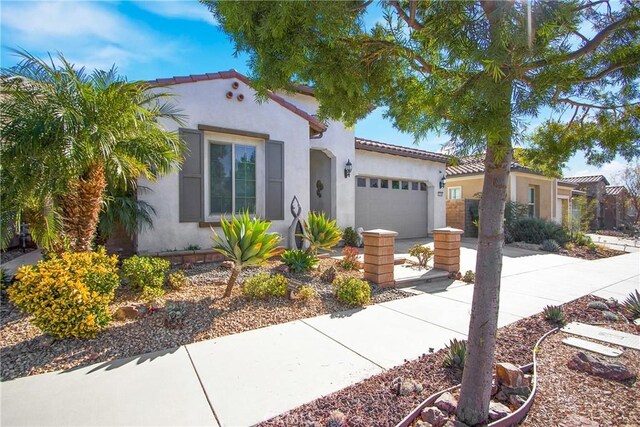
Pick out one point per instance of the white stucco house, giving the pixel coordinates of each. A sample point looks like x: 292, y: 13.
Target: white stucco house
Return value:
x: 254, y: 155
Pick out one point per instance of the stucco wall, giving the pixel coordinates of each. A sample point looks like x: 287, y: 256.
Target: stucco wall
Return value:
x: 544, y: 190
x: 471, y: 185
x: 389, y: 166
x: 205, y: 103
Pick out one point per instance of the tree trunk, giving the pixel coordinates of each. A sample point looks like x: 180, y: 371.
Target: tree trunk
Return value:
x: 473, y: 407
x: 81, y: 207
x: 232, y: 281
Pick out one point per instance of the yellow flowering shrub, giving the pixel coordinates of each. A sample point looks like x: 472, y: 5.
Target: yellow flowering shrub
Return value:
x: 68, y: 295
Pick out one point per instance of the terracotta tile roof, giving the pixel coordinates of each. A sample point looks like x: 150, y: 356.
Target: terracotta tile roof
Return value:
x: 475, y: 165
x: 614, y: 190
x: 398, y: 150
x: 587, y: 179
x: 315, y: 124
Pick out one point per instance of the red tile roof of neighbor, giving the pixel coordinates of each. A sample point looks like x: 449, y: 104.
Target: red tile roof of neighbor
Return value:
x: 475, y: 165
x: 383, y: 147
x: 613, y: 190
x: 315, y: 124
x: 586, y: 179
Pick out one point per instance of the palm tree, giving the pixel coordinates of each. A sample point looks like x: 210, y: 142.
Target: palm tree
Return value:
x: 67, y: 136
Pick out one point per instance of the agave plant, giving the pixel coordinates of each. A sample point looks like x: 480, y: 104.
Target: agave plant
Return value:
x: 554, y: 314
x: 320, y: 232
x: 245, y: 241
x: 632, y: 304
x: 455, y: 354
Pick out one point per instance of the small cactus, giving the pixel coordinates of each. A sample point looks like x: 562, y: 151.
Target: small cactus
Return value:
x: 404, y: 387
x: 176, y: 313
x: 550, y: 245
x: 598, y: 305
x: 554, y: 314
x: 455, y: 353
x: 611, y: 317
x: 336, y: 419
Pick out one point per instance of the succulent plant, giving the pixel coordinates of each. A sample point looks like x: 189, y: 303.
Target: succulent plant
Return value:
x: 611, y: 317
x: 422, y: 252
x: 455, y: 353
x: 469, y: 277
x: 336, y: 419
x: 329, y: 275
x: 632, y: 304
x: 403, y: 387
x: 554, y: 314
x: 598, y: 305
x: 320, y: 232
x: 176, y: 312
x: 550, y: 245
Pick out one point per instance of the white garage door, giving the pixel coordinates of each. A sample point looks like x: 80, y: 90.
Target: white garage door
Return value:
x: 397, y: 205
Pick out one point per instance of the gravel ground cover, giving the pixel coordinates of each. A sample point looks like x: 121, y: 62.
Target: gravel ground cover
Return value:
x: 373, y: 403
x: 10, y: 254
x: 24, y: 350
x: 601, y: 251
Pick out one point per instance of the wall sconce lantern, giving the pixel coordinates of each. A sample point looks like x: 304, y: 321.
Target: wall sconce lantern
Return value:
x: 443, y: 181
x: 347, y: 169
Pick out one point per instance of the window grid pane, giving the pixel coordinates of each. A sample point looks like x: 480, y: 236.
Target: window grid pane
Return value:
x: 384, y: 183
x: 245, y: 173
x: 220, y: 179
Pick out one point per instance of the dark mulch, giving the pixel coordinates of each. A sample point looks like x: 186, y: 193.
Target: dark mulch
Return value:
x: 10, y: 254
x: 372, y: 403
x: 583, y: 252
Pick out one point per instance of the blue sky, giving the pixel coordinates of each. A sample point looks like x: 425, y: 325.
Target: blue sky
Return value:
x: 152, y: 39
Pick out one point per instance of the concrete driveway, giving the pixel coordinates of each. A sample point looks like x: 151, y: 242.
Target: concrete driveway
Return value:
x: 246, y: 378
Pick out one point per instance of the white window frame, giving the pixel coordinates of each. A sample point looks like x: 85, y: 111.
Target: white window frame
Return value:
x: 229, y: 139
x: 532, y: 201
x: 458, y: 189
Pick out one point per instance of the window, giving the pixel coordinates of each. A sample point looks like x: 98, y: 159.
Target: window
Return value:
x: 532, y: 202
x: 384, y: 183
x: 423, y: 186
x: 414, y: 186
x: 373, y: 182
x: 361, y: 182
x: 405, y: 185
x: 232, y: 175
x: 455, y: 193
x: 395, y: 185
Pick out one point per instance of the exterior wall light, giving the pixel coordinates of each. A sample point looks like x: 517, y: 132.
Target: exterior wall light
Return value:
x: 443, y: 181
x: 347, y: 169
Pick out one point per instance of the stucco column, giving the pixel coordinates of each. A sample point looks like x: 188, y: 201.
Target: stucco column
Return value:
x: 447, y: 249
x: 379, y: 246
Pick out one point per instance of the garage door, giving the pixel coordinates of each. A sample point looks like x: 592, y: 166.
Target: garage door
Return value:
x: 397, y: 205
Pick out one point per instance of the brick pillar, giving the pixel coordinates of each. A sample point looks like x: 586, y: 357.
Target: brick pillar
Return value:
x: 379, y: 247
x: 447, y: 249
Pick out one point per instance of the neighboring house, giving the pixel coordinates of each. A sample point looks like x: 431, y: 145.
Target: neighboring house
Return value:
x: 245, y: 154
x: 594, y: 187
x: 616, y: 212
x: 545, y: 197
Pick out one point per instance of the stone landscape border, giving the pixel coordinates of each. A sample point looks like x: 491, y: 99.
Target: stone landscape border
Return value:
x: 510, y: 420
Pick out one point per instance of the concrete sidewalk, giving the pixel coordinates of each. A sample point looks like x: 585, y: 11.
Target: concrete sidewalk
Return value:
x: 246, y: 378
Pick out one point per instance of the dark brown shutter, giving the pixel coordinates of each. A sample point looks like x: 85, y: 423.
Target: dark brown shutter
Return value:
x: 274, y: 182
x: 192, y: 177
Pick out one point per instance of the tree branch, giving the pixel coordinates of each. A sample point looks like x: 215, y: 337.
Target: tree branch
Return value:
x: 362, y: 6
x: 588, y: 5
x: 587, y: 48
x: 586, y: 105
x: 604, y: 72
x: 409, y: 20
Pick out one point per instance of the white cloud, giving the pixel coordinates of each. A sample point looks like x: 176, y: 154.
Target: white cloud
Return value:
x: 184, y: 9
x: 90, y: 34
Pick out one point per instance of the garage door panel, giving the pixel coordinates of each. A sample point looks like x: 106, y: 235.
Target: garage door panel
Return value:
x: 403, y: 211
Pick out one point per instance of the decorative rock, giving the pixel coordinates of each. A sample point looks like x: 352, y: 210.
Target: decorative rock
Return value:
x: 447, y: 403
x: 637, y: 321
x: 612, y: 303
x: 127, y: 312
x: 612, y: 317
x: 228, y: 264
x: 509, y: 375
x: 336, y: 419
x: 527, y: 380
x: 516, y: 391
x: 494, y: 387
x: 498, y: 410
x: 577, y: 421
x: 598, y: 305
x: 46, y: 341
x: 434, y: 416
x: 422, y: 424
x: 186, y: 266
x: 600, y: 367
x: 516, y: 400
x: 283, y: 268
x: 328, y: 275
x: 501, y: 396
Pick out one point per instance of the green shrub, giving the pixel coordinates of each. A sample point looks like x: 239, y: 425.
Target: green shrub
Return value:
x: 469, y: 277
x: 581, y: 239
x: 299, y: 261
x: 554, y: 314
x: 454, y: 355
x: 177, y: 280
x: 306, y: 293
x: 140, y: 272
x: 537, y: 230
x: 68, y: 296
x: 349, y: 259
x: 422, y: 252
x: 352, y: 291
x: 320, y: 232
x: 350, y: 237
x: 264, y: 285
x: 632, y: 305
x: 550, y: 245
x: 151, y: 294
